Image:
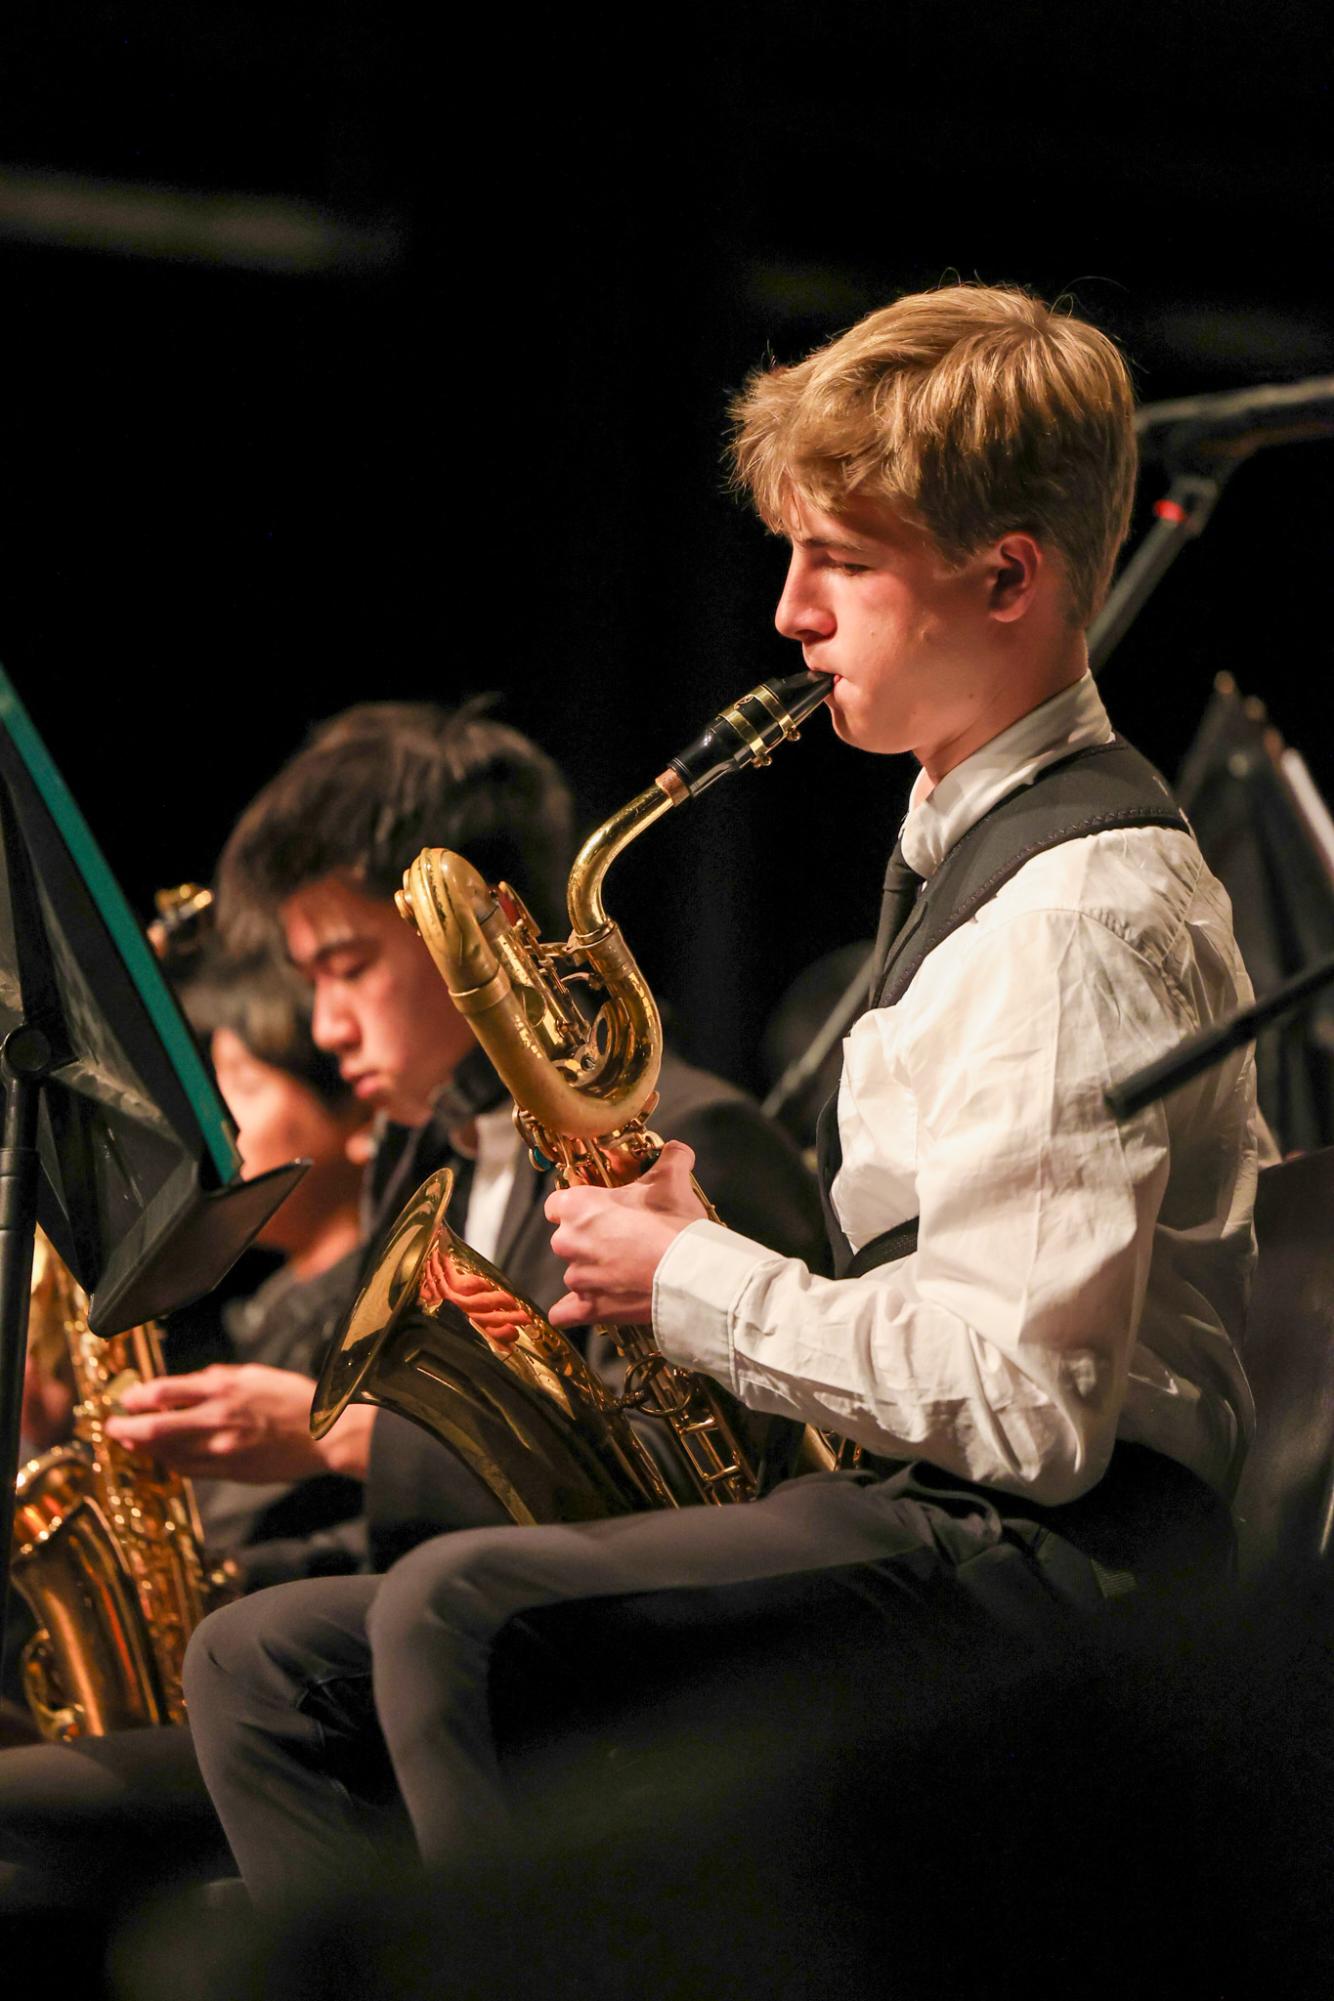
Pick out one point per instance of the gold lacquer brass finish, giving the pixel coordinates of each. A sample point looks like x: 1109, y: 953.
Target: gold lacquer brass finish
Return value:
x: 439, y: 1335
x: 574, y: 1034
x: 185, y: 917
x: 107, y: 1548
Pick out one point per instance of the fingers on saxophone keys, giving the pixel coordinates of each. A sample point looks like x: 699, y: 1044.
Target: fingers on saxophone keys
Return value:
x: 570, y: 1238
x: 158, y: 1427
x: 587, y: 1299
x: 676, y: 1159
x: 142, y: 1430
x: 574, y: 1309
x: 154, y: 1395
x: 572, y: 1205
x: 169, y: 1392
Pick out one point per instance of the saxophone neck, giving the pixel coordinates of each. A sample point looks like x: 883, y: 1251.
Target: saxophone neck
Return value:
x: 746, y: 732
x: 588, y: 918
x: 573, y: 1031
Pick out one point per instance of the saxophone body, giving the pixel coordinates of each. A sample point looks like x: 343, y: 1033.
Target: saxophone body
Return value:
x: 574, y: 1034
x: 107, y: 1548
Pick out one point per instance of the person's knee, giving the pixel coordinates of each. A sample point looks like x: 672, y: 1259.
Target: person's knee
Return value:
x: 221, y: 1652
x: 460, y: 1582
x: 271, y: 1644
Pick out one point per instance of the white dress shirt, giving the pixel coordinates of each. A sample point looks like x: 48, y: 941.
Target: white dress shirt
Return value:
x: 1075, y: 1280
x: 499, y: 1149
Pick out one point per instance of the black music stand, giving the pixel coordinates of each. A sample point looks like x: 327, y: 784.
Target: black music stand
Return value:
x: 114, y: 1138
x: 1268, y: 836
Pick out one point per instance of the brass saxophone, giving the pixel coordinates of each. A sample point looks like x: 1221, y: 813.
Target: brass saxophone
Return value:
x: 107, y: 1548
x: 437, y: 1333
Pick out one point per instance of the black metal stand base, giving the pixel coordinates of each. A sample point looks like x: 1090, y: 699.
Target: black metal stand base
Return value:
x: 25, y: 1058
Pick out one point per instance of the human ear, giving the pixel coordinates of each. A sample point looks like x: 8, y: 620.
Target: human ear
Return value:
x: 1016, y: 566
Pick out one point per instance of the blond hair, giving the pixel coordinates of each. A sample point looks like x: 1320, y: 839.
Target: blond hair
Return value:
x: 973, y: 411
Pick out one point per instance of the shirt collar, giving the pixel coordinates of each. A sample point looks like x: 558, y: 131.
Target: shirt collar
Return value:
x: 941, y: 815
x: 473, y: 1088
x: 496, y: 1135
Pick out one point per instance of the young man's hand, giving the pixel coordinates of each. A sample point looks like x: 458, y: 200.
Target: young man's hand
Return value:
x: 241, y: 1421
x: 613, y: 1239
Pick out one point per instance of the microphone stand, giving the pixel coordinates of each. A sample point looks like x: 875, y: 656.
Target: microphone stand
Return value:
x: 832, y: 1029
x: 1200, y: 1052
x: 1182, y: 516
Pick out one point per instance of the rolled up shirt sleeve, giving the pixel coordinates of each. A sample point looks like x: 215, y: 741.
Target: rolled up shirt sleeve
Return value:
x: 999, y: 1349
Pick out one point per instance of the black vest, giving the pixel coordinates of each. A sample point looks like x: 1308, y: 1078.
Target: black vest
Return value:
x: 1090, y: 792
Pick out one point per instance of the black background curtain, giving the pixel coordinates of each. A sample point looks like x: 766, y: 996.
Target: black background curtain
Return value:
x: 473, y: 440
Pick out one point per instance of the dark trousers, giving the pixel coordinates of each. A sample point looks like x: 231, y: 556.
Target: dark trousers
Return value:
x: 330, y: 1715
x: 105, y: 1820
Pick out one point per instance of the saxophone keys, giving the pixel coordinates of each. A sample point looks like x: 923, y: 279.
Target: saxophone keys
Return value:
x: 124, y: 1379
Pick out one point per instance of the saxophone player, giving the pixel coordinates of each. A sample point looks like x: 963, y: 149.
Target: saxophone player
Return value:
x: 313, y: 863
x: 1033, y: 1334
x: 316, y: 858
x: 73, y: 1807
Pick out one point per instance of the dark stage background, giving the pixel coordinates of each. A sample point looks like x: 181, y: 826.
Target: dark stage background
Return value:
x: 347, y: 361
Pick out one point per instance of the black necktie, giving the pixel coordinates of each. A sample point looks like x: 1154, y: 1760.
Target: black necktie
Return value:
x: 900, y: 894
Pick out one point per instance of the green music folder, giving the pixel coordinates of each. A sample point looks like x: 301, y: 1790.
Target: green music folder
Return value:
x: 140, y: 1186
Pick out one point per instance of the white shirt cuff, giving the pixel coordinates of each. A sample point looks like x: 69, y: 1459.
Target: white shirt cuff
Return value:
x: 696, y: 1290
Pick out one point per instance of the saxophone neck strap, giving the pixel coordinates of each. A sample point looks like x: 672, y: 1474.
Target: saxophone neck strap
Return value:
x: 886, y: 1249
x: 1093, y: 791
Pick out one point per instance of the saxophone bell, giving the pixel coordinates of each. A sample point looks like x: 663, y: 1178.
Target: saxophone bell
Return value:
x: 440, y: 1336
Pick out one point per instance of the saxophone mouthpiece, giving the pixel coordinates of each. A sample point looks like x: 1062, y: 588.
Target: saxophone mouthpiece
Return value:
x: 746, y: 732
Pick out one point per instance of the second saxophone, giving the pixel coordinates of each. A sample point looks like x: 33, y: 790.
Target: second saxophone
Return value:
x: 574, y: 1035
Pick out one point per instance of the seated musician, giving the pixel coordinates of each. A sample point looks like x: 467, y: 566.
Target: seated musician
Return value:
x: 288, y: 1102
x: 316, y: 860
x: 1033, y: 1336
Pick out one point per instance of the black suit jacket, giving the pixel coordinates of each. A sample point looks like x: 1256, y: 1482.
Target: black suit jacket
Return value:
x: 751, y: 1172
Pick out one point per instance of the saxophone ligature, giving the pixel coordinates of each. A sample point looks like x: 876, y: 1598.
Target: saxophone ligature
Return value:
x: 573, y: 1031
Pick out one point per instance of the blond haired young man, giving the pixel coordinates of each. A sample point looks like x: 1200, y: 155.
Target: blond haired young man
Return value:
x: 1032, y: 1338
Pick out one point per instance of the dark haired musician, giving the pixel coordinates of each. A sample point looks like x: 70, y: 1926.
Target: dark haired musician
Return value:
x: 312, y: 865
x: 84, y: 1810
x: 1033, y: 1337
x: 314, y: 862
